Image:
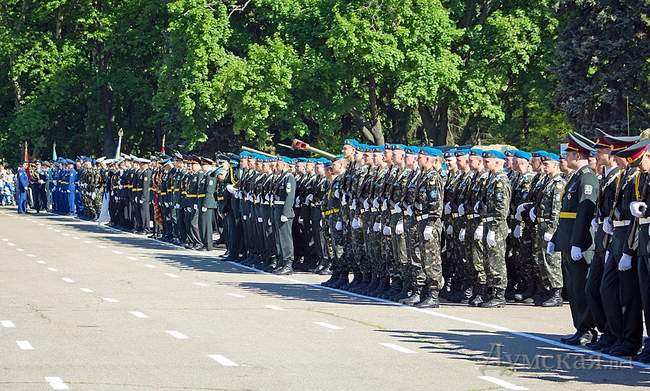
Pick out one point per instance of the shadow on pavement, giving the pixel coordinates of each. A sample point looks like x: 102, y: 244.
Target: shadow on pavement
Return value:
x: 504, y: 354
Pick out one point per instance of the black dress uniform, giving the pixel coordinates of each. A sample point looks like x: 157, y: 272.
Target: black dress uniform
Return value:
x: 574, y: 240
x: 283, y: 214
x: 208, y: 205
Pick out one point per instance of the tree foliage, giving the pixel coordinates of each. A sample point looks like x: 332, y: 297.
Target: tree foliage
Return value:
x: 217, y: 74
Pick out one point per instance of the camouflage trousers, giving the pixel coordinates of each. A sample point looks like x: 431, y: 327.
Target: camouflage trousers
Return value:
x: 337, y: 244
x: 386, y: 244
x: 464, y: 273
x: 430, y: 271
x: 358, y: 243
x: 476, y: 251
x: 398, y: 243
x: 549, y: 266
x: 495, y: 256
x: 412, y: 237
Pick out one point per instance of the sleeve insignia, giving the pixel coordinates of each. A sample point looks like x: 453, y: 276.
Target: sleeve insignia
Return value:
x: 589, y: 189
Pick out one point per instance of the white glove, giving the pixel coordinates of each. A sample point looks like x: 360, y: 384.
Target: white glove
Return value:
x: 461, y: 235
x: 408, y: 211
x: 517, y: 231
x: 448, y: 208
x: 337, y: 193
x: 399, y: 227
x: 532, y: 215
x: 520, y: 210
x: 355, y: 223
x: 576, y: 253
x: 353, y: 206
x: 384, y: 205
x: 491, y: 238
x: 478, y: 234
x: 231, y: 189
x: 461, y: 210
x: 376, y: 227
x: 300, y: 220
x: 344, y: 200
x: 269, y: 222
x: 548, y: 236
x: 260, y: 220
x: 398, y: 208
x: 296, y: 202
x: 309, y: 198
x: 450, y: 230
x: 375, y: 203
x: 284, y: 218
x: 594, y: 225
x: 606, y: 256
x: 428, y: 232
x: 195, y: 206
x: 625, y: 263
x: 638, y: 208
x: 366, y: 204
x: 204, y: 209
x: 177, y: 206
x: 550, y: 248
x: 339, y: 225
x: 387, y: 231
x: 477, y: 206
x: 607, y: 226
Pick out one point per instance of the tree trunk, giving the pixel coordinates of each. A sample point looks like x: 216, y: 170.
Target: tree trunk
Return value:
x: 105, y: 92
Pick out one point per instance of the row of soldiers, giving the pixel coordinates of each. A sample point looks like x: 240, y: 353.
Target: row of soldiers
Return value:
x: 414, y: 224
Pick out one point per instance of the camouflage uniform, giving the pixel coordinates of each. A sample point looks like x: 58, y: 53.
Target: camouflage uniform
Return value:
x: 547, y: 211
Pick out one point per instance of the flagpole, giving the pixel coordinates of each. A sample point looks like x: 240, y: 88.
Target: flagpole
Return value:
x: 120, y: 133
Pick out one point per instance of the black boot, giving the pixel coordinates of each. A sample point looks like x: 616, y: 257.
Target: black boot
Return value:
x: 364, y: 283
x: 342, y: 281
x: 414, y: 298
x: 430, y: 300
x: 498, y: 299
x: 372, y: 285
x: 404, y: 293
x: 356, y: 280
x: 528, y: 292
x: 395, y: 288
x: 479, y: 293
x: 285, y: 270
x: 333, y: 278
x: 383, y: 286
x: 325, y: 271
x: 554, y: 299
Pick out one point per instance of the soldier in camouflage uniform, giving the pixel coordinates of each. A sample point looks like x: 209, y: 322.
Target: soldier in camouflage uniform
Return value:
x: 546, y: 211
x: 335, y: 219
x: 494, y: 208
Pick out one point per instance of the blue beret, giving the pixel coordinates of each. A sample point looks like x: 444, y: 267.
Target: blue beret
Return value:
x: 476, y: 152
x: 461, y: 152
x: 522, y: 155
x: 551, y: 156
x: 539, y: 153
x: 450, y: 152
x: 412, y: 150
x: 493, y: 153
x: 431, y: 151
x: 511, y: 152
x: 351, y: 142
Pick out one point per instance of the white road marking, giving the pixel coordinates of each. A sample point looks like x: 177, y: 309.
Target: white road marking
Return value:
x: 50, y: 228
x: 100, y: 246
x: 133, y: 258
x: 68, y: 280
x: 110, y: 299
x: 200, y: 284
x: 7, y: 324
x: 5, y: 239
x: 52, y: 269
x: 24, y: 345
x: 41, y: 224
x: 11, y: 244
x: 328, y: 326
x: 56, y: 383
x: 20, y: 249
x: 400, y: 349
x: 176, y: 334
x: 41, y: 262
x: 235, y: 295
x: 57, y: 230
x: 226, y: 362
x: 76, y: 237
x: 65, y: 234
x: 31, y: 255
x: 274, y: 307
x: 87, y: 242
x: 150, y: 266
x: 172, y: 275
x: 87, y: 290
x: 138, y: 314
x: 502, y: 383
x: 116, y: 251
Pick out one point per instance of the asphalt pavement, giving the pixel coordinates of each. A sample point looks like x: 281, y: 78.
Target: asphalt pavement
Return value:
x: 87, y: 307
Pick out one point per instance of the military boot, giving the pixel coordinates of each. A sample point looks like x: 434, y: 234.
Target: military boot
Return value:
x: 527, y: 293
x: 555, y: 299
x: 403, y: 293
x: 477, y: 299
x: 414, y: 298
x: 342, y: 281
x: 430, y: 300
x: 541, y: 294
x: 395, y: 288
x: 497, y: 300
x: 333, y: 278
x: 356, y: 280
x: 372, y: 284
x: 382, y: 286
x: 365, y: 281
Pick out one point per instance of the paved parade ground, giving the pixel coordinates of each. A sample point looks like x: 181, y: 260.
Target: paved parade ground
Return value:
x: 84, y: 307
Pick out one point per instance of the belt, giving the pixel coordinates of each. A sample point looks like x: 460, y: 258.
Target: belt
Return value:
x: 454, y: 215
x: 331, y: 212
x: 644, y: 220
x: 568, y: 215
x: 542, y: 220
x: 220, y: 198
x: 191, y: 195
x: 395, y: 211
x: 422, y: 217
x: 278, y: 202
x: 64, y: 182
x: 472, y: 216
x: 621, y: 223
x: 488, y: 219
x: 200, y: 195
x: 162, y: 193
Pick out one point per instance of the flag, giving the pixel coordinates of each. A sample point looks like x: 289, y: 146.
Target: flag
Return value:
x: 25, y: 153
x: 162, y: 148
x: 117, y: 149
x: 55, y: 157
